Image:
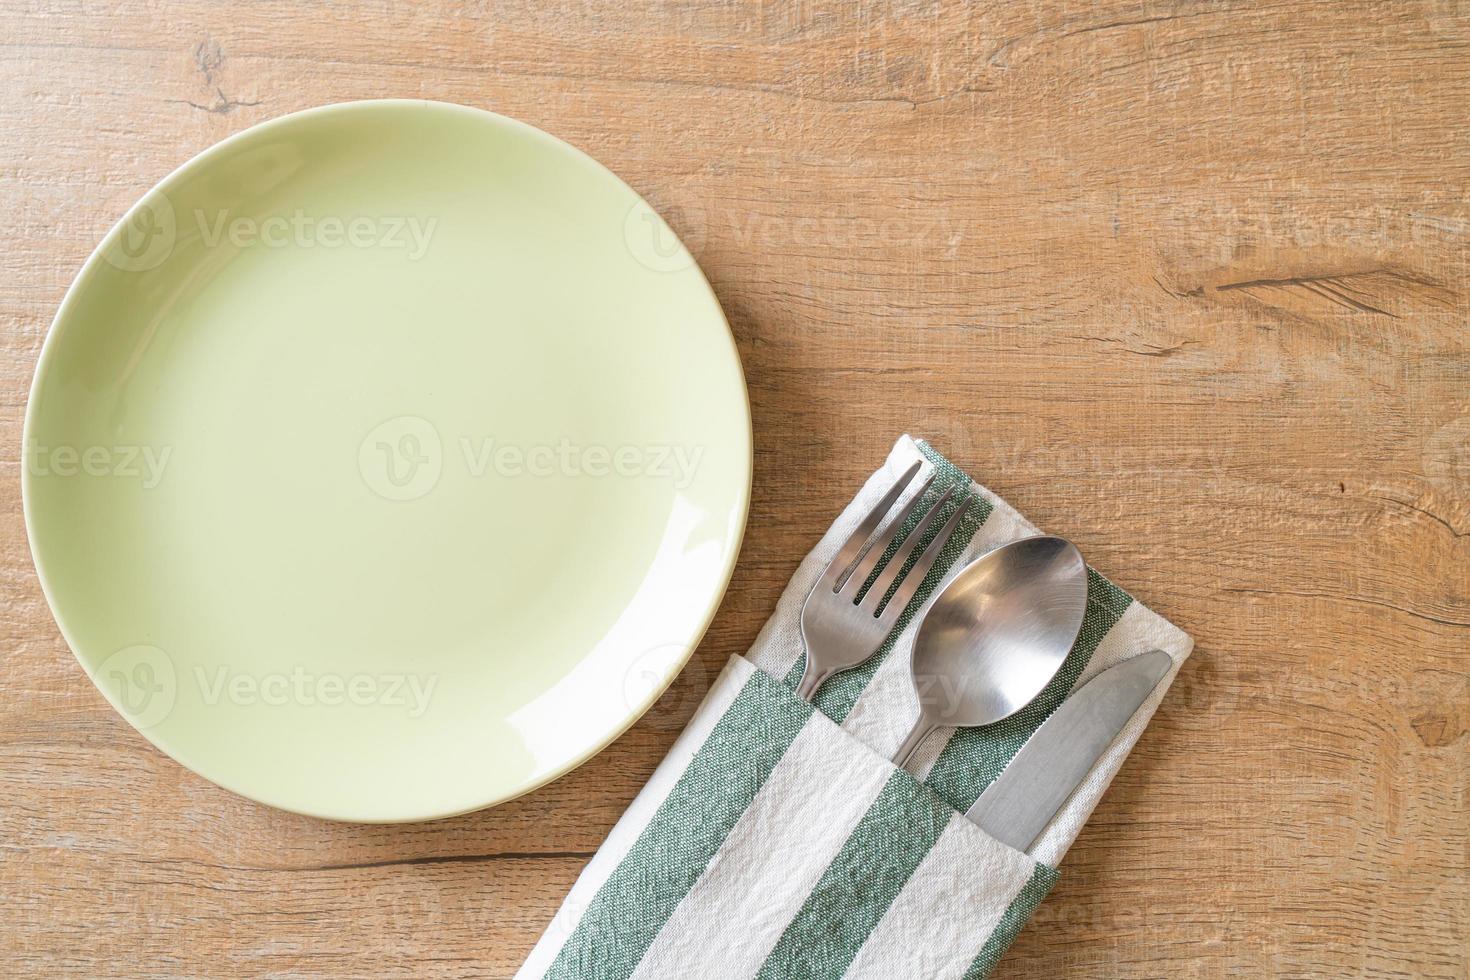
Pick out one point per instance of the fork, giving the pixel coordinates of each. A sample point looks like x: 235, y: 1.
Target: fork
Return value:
x: 841, y: 625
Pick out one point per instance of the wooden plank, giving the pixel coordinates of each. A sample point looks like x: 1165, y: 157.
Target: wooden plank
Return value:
x: 1183, y: 281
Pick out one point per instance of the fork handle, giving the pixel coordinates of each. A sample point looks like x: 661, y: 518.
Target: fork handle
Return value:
x: 811, y: 679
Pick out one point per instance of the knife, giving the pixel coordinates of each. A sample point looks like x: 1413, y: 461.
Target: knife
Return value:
x: 1018, y: 805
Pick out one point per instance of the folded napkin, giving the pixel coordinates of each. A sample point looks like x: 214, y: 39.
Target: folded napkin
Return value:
x: 776, y: 840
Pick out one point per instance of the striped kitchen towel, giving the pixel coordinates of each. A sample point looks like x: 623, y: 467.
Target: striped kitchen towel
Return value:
x: 776, y: 840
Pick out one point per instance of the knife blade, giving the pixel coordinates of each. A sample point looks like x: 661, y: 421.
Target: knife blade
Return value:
x: 1018, y: 805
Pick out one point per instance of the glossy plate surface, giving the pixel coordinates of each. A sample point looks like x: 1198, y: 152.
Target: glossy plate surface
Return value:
x: 386, y: 461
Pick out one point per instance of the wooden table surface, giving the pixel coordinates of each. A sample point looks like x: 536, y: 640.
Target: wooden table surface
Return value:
x: 1185, y: 282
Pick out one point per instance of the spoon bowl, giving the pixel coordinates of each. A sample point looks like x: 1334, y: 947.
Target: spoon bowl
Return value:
x: 996, y: 635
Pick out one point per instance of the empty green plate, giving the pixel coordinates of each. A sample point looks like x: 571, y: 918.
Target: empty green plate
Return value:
x: 386, y: 461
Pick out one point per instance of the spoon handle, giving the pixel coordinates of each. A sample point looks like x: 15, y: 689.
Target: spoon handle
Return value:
x: 922, y: 729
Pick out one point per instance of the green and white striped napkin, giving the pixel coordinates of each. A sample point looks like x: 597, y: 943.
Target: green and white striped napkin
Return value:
x: 777, y: 841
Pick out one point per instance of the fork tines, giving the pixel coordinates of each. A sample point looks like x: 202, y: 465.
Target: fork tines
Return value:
x: 860, y: 554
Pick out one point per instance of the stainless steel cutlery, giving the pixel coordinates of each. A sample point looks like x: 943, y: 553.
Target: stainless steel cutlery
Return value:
x: 842, y: 624
x: 987, y: 645
x: 996, y: 635
x: 1018, y: 805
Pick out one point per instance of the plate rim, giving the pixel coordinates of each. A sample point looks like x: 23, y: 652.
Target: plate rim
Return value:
x: 88, y: 271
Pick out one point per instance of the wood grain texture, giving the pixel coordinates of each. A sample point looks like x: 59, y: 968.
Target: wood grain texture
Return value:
x: 1184, y: 281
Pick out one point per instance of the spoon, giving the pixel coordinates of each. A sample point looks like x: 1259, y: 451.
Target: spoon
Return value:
x: 995, y: 635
